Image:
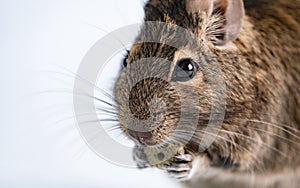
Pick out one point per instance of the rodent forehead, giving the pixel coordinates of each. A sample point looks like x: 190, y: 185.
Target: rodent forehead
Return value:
x: 150, y: 49
x: 152, y: 56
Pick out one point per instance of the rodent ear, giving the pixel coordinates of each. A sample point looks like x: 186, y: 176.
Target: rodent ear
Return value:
x: 232, y: 10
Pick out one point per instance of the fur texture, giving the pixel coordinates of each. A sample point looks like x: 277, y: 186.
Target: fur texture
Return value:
x: 258, y: 144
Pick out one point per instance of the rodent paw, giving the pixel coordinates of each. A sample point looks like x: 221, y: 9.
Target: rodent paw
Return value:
x: 179, y: 167
x: 139, y: 157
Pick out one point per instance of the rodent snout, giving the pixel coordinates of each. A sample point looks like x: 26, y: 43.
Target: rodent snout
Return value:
x: 147, y: 98
x: 147, y: 104
x: 148, y: 112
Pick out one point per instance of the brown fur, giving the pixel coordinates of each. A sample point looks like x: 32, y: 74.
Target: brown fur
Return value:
x: 261, y: 70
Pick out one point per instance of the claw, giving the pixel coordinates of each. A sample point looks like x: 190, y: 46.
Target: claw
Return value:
x: 180, y: 176
x: 185, y: 157
x: 177, y: 167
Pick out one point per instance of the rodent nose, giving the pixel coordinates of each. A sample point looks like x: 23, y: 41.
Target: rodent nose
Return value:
x: 141, y: 137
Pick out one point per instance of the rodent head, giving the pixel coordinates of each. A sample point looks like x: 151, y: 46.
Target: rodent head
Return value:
x: 159, y: 80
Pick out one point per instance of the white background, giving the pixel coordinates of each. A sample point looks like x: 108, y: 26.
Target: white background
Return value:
x: 41, y: 42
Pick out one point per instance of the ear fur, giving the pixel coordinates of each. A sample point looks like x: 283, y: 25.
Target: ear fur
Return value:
x: 234, y: 13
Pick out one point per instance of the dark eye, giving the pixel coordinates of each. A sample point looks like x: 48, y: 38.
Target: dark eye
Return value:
x: 185, y: 70
x: 125, y: 60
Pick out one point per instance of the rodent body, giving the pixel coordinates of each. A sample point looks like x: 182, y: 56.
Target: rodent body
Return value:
x: 256, y: 45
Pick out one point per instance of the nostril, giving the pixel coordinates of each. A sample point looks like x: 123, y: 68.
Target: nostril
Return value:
x: 142, y: 137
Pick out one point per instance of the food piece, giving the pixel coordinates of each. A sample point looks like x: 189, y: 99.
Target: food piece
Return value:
x: 158, y: 156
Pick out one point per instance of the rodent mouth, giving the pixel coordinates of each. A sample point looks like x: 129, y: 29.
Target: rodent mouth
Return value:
x: 143, y: 138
